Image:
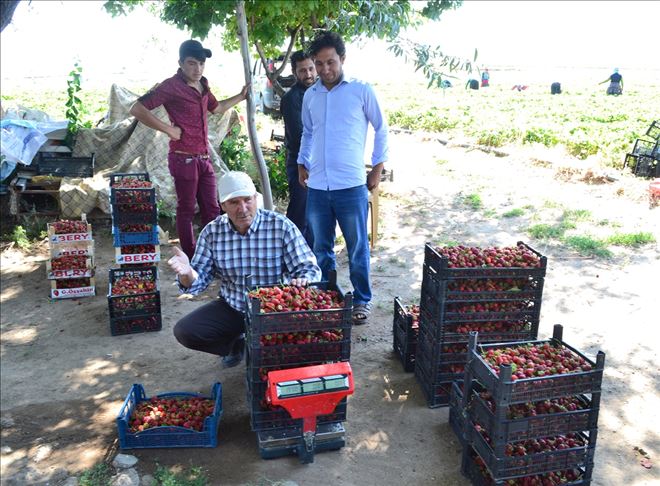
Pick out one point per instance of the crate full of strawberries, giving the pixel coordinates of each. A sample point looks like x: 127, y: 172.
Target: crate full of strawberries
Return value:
x: 475, y: 469
x: 543, y: 418
x: 69, y: 266
x: 131, y: 189
x: 530, y: 371
x: 290, y: 309
x: 176, y: 419
x: 137, y: 254
x: 146, y: 213
x: 468, y: 261
x: 133, y: 292
x: 69, y: 231
x: 405, y: 333
x: 135, y: 324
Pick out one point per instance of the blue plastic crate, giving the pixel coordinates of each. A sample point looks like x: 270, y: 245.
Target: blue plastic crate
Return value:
x: 121, y: 238
x: 169, y: 436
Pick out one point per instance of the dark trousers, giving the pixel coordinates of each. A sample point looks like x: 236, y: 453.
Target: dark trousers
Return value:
x: 297, y: 200
x: 213, y: 328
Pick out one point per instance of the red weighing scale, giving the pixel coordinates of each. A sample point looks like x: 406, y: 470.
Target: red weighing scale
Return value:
x: 308, y: 392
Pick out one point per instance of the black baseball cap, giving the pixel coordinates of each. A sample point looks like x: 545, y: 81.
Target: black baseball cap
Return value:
x: 193, y: 48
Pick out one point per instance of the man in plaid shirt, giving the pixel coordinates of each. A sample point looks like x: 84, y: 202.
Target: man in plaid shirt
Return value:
x: 244, y: 241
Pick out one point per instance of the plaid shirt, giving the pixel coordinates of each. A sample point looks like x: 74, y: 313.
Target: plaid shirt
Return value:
x: 272, y: 251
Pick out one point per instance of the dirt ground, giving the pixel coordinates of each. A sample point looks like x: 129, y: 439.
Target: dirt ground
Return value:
x: 64, y: 377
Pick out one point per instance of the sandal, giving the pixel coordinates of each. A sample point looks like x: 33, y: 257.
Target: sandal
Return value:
x: 361, y: 313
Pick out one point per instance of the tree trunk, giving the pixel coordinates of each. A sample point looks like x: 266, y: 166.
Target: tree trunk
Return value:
x: 7, y: 8
x: 252, y: 126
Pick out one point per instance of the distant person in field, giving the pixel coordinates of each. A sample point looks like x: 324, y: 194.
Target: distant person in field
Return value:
x: 616, y: 83
x: 187, y: 98
x: 555, y: 88
x: 472, y: 84
x: 485, y: 78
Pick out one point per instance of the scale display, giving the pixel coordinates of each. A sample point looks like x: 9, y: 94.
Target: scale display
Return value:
x: 312, y: 386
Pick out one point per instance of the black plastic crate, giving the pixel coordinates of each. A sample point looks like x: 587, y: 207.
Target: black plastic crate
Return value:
x: 439, y: 350
x: 135, y: 324
x: 506, y: 467
x: 443, y: 311
x: 481, y: 476
x: 66, y: 166
x: 127, y: 195
x: 642, y: 165
x: 259, y: 325
x: 506, y: 391
x: 541, y: 425
x: 654, y: 130
x: 435, y: 393
x: 491, y: 288
x: 261, y: 418
x: 262, y: 359
x: 146, y: 213
x: 134, y: 195
x: 646, y: 148
x: 438, y: 368
x: 521, y: 328
x: 404, y: 335
x: 134, y: 304
x: 456, y: 413
x: 440, y: 265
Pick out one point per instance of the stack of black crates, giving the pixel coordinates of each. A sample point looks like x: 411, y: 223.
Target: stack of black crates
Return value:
x: 502, y: 303
x: 405, y: 333
x: 135, y: 238
x: 644, y: 161
x: 277, y: 433
x: 500, y: 447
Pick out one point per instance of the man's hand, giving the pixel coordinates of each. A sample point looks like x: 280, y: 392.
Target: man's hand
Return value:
x: 181, y: 266
x: 373, y: 177
x: 303, y: 175
x: 299, y: 282
x: 174, y: 133
x: 245, y: 91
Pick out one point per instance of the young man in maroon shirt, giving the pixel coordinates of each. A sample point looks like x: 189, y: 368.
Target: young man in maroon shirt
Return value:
x: 187, y: 99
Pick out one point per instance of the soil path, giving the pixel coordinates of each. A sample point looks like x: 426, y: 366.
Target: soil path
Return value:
x: 64, y: 377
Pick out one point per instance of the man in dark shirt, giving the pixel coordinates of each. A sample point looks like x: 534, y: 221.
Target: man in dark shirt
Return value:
x: 187, y: 99
x: 616, y: 83
x: 291, y: 107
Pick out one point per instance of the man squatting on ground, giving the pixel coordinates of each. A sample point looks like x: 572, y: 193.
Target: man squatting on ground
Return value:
x: 243, y: 241
x: 336, y: 113
x: 187, y: 99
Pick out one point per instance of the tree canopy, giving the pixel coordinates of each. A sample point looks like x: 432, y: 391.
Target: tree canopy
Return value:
x: 275, y: 23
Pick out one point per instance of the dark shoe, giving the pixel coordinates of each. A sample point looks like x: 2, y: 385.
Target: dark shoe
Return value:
x: 232, y: 360
x: 236, y: 354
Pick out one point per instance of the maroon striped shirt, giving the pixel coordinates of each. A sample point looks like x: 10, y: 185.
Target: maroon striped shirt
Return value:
x: 187, y: 108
